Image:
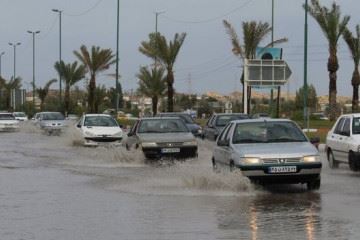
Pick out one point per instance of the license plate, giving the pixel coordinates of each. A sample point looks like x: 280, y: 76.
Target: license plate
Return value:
x: 283, y: 169
x: 170, y: 150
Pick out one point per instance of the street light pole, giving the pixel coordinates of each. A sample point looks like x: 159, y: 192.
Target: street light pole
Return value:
x: 306, y: 118
x: 117, y: 58
x: 0, y: 62
x: 14, y: 47
x: 60, y: 14
x: 33, y: 33
x: 156, y: 30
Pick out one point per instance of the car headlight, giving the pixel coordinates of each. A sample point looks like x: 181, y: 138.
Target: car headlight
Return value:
x: 89, y: 134
x: 251, y: 160
x: 311, y: 159
x: 190, y: 143
x: 118, y: 134
x: 148, y: 144
x: 200, y: 131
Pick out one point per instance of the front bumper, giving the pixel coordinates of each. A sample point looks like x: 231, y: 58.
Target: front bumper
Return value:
x: 185, y: 152
x: 10, y: 128
x: 96, y: 141
x: 304, y: 173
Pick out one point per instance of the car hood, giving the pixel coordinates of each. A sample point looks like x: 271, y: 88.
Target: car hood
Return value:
x: 276, y: 150
x: 166, y: 137
x: 9, y: 121
x: 103, y: 130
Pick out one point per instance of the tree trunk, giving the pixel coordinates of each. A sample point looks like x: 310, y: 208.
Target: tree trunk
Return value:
x: 67, y: 99
x: 154, y: 105
x: 249, y: 100
x: 42, y: 104
x: 355, y: 83
x: 332, y: 96
x: 91, y: 97
x: 170, y: 91
x: 333, y: 66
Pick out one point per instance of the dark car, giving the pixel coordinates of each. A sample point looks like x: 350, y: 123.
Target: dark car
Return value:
x: 162, y: 137
x: 188, y: 120
x: 218, y: 121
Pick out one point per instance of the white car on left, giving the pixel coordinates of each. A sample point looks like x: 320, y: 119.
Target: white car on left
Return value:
x: 99, y: 129
x: 8, y: 122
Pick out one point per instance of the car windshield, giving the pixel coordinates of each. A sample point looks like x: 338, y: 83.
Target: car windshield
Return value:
x: 162, y: 126
x: 19, y: 114
x: 6, y: 116
x: 100, y: 121
x: 52, y: 116
x: 356, y: 126
x: 221, y: 121
x: 267, y: 132
x: 185, y: 117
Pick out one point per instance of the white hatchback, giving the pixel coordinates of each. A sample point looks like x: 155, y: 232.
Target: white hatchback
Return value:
x: 8, y: 123
x: 343, y: 142
x: 99, y: 128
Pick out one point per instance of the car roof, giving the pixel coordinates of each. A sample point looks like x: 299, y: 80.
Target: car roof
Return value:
x: 159, y: 118
x: 229, y: 114
x: 262, y: 120
x: 5, y: 113
x: 173, y: 113
x: 97, y: 115
x: 350, y: 115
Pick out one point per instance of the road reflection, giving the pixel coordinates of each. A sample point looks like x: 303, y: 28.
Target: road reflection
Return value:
x: 269, y: 215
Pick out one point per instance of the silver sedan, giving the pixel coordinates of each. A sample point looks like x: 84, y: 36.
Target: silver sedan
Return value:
x: 269, y: 151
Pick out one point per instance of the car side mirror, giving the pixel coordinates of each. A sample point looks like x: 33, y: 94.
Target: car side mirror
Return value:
x: 315, y: 140
x: 78, y: 126
x: 223, y: 143
x: 121, y: 126
x: 130, y: 134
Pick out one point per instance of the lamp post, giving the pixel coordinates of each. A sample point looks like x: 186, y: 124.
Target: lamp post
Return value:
x: 117, y: 58
x: 14, y: 47
x: 156, y: 31
x: 33, y: 33
x: 1, y: 54
x: 306, y: 117
x: 60, y: 14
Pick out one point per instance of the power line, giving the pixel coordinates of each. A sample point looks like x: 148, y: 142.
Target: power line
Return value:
x: 209, y: 19
x: 84, y: 12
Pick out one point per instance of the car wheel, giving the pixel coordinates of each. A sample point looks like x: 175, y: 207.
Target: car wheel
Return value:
x: 314, y: 184
x: 332, y: 162
x: 214, y: 164
x: 232, y: 166
x: 353, y: 163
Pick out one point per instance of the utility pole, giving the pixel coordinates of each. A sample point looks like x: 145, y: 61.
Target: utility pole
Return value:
x: 117, y: 58
x: 33, y: 33
x: 156, y: 30
x: 306, y: 117
x: 60, y: 14
x: 14, y: 47
x: 272, y: 40
x: 0, y: 62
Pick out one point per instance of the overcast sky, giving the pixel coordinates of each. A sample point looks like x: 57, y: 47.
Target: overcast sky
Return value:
x: 205, y: 57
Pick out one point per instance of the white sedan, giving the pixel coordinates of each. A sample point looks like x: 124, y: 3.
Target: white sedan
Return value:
x: 99, y: 128
x: 8, y: 122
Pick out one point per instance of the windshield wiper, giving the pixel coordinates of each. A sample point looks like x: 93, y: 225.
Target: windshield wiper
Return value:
x: 285, y: 140
x: 249, y: 140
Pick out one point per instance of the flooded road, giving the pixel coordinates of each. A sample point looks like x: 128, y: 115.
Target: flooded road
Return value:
x: 52, y: 188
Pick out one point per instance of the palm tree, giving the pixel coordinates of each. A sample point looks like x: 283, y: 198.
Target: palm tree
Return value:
x: 354, y: 47
x: 71, y: 73
x: 166, y: 53
x: 95, y: 62
x: 253, y: 33
x: 43, y: 92
x: 152, y: 83
x: 8, y: 86
x: 333, y: 27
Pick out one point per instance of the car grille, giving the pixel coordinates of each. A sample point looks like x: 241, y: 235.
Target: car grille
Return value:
x: 170, y: 144
x: 281, y: 160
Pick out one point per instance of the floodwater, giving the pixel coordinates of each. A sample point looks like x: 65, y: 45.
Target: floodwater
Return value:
x: 52, y: 188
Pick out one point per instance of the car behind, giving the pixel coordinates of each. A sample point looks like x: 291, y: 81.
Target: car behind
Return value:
x: 161, y: 137
x: 269, y: 151
x: 8, y: 123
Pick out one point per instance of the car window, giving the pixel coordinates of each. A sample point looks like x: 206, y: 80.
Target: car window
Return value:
x: 267, y: 132
x: 224, y: 119
x: 7, y: 116
x: 209, y: 120
x: 134, y: 127
x: 162, y: 126
x: 346, y: 127
x: 223, y: 132
x: 52, y: 116
x: 212, y: 122
x: 100, y: 121
x: 339, y: 126
x: 356, y: 126
x: 228, y: 132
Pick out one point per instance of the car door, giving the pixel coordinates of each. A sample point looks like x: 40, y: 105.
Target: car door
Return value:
x: 132, y: 135
x: 335, y: 139
x: 212, y: 130
x: 344, y: 141
x: 222, y: 156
